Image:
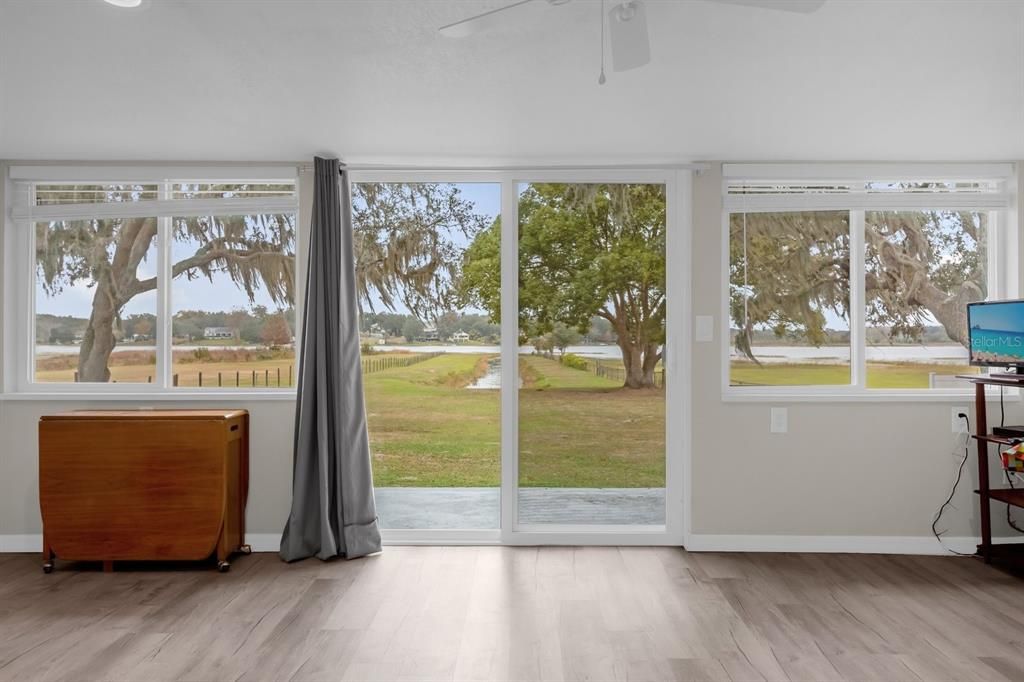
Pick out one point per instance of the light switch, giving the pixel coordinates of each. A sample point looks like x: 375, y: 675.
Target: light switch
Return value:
x: 780, y: 420
x: 704, y: 329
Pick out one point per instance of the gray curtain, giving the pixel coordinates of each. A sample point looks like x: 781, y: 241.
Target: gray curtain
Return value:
x: 333, y: 511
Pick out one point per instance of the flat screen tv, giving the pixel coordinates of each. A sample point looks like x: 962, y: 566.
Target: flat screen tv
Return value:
x: 996, y: 333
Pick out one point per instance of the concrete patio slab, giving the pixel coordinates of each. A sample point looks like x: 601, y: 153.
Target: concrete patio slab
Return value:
x: 478, y: 508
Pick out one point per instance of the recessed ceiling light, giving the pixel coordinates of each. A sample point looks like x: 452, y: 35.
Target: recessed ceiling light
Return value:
x: 124, y: 3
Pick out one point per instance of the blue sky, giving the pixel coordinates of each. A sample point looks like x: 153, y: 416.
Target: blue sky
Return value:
x: 220, y: 294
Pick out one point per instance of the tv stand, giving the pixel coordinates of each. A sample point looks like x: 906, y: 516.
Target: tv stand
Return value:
x: 1012, y: 554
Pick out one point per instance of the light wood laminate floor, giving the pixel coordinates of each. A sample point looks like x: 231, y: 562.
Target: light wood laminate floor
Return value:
x: 490, y: 613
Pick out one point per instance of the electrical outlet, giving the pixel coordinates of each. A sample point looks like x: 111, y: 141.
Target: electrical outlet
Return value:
x: 958, y: 423
x: 780, y: 420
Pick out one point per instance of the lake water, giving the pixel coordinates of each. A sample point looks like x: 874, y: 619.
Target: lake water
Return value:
x: 944, y: 353
x: 492, y: 379
x: 941, y: 354
x: 590, y: 351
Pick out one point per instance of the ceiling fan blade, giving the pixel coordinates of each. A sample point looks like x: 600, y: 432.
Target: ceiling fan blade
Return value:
x: 467, y: 27
x: 627, y: 28
x: 802, y: 6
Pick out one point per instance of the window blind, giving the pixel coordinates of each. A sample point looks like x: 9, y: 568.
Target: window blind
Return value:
x: 753, y: 188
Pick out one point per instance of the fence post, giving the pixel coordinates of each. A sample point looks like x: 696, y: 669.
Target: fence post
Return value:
x: 76, y: 376
x: 200, y: 379
x: 237, y: 379
x: 289, y: 375
x: 279, y: 377
x: 218, y: 379
x: 266, y: 377
x: 175, y: 379
x: 254, y: 378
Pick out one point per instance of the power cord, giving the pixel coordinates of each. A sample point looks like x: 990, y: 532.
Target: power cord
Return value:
x: 959, y: 474
x: 1009, y: 517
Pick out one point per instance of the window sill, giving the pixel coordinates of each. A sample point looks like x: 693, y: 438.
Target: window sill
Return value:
x: 875, y: 396
x: 165, y: 396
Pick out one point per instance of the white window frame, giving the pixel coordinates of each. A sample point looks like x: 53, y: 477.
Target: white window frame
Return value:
x: 1003, y: 256
x: 19, y: 267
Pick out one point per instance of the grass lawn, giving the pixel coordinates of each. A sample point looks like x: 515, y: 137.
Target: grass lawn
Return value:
x: 576, y: 429
x: 580, y: 430
x: 880, y: 374
x: 427, y: 429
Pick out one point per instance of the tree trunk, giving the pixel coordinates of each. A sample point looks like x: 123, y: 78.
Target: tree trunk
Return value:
x: 99, y: 340
x: 949, y: 310
x: 639, y: 362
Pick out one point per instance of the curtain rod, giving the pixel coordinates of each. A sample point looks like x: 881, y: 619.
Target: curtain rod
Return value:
x: 698, y: 167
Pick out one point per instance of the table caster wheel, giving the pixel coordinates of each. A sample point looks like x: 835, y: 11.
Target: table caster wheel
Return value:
x: 245, y: 549
x: 48, y: 567
x: 223, y: 566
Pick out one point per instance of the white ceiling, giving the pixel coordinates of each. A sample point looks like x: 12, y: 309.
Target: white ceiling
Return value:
x: 374, y: 82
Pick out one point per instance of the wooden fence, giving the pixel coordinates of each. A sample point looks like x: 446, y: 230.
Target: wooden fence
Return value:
x: 282, y: 377
x: 378, y: 363
x: 614, y: 371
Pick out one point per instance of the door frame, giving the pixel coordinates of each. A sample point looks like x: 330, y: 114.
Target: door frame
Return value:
x: 677, y: 365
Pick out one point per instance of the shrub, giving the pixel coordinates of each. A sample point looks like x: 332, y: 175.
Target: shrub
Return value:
x: 574, y: 361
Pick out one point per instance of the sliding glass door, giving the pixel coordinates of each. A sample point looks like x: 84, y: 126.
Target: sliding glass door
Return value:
x: 551, y: 423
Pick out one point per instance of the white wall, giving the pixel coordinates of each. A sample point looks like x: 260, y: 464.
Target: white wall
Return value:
x: 845, y: 476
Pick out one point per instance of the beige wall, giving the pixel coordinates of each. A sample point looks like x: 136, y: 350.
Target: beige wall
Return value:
x: 270, y: 459
x: 843, y: 469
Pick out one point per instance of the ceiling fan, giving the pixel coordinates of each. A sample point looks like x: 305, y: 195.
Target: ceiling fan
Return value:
x: 628, y: 23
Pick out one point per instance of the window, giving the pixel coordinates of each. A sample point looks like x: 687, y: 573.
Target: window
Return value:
x: 233, y: 301
x: 789, y: 298
x: 922, y: 268
x: 160, y: 284
x: 95, y: 300
x: 850, y: 285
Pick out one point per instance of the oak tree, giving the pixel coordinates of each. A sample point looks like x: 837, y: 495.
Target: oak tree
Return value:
x: 584, y: 251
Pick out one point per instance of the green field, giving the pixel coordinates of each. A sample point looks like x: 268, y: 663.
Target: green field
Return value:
x: 879, y: 374
x: 576, y: 429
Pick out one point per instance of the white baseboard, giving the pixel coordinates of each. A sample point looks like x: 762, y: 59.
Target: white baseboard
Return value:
x: 9, y: 544
x: 264, y: 542
x: 842, y: 544
x: 21, y: 543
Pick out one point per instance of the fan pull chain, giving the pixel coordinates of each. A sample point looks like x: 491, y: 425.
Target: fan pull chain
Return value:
x: 601, y: 79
